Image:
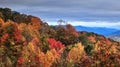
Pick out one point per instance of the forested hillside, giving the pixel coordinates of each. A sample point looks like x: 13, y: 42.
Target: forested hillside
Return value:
x: 26, y: 41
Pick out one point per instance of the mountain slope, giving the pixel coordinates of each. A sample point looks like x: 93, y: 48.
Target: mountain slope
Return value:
x: 99, y: 30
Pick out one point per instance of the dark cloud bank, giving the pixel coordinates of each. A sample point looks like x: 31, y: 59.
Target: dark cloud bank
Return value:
x: 69, y: 10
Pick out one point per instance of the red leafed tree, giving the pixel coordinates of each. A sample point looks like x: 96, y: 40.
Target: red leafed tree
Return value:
x: 53, y: 44
x: 4, y: 38
x: 20, y: 61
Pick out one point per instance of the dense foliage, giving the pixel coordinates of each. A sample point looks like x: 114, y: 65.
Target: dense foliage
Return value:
x: 32, y: 43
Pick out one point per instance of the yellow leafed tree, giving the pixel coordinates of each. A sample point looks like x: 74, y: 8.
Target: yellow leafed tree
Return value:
x: 76, y: 53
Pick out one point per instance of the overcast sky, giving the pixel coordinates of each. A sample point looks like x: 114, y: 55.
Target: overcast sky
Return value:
x: 77, y: 12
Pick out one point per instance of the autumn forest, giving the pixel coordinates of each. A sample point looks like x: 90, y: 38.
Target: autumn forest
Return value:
x: 27, y: 41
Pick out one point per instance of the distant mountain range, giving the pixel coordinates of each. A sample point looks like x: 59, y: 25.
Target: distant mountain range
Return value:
x: 113, y: 34
x: 99, y: 30
x: 117, y: 34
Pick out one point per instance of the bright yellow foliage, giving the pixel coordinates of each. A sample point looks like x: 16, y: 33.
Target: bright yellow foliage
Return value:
x: 76, y: 53
x: 49, y: 59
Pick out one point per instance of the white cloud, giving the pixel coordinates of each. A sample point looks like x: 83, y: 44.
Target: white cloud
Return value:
x: 115, y: 25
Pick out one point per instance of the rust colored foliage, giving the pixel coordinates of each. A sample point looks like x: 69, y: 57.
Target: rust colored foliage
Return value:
x: 36, y: 22
x: 105, y: 41
x: 17, y: 34
x: 55, y: 44
x: 20, y: 61
x: 92, y: 39
x: 4, y: 38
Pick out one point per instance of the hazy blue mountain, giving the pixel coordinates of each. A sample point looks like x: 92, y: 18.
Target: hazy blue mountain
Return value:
x: 117, y: 34
x: 99, y: 30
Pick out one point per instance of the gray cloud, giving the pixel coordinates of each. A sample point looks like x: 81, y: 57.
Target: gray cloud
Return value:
x: 51, y: 10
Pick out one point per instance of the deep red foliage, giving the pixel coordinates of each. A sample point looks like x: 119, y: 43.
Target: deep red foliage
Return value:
x: 55, y: 44
x: 20, y: 61
x: 4, y: 37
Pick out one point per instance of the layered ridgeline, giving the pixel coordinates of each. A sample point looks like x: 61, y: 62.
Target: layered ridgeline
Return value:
x: 26, y: 41
x: 99, y: 30
x: 115, y: 36
x: 117, y: 33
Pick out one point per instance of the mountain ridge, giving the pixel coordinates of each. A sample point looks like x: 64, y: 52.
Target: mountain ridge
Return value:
x: 117, y: 34
x: 99, y: 30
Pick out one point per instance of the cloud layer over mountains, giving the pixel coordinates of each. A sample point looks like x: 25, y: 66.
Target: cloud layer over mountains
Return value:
x: 70, y: 10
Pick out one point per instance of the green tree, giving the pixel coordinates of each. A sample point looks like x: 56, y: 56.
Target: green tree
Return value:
x: 6, y: 13
x: 84, y: 39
